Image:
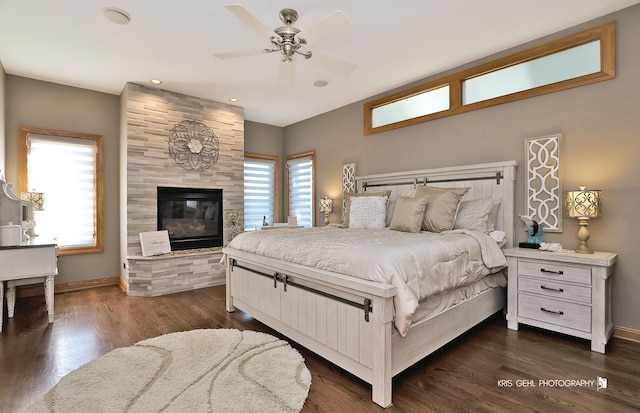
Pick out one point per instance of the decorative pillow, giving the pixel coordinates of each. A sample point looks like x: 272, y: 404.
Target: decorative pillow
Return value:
x: 408, y: 214
x: 443, y: 206
x: 368, y: 212
x: 473, y: 214
x: 351, y: 196
x: 391, y: 207
x: 493, y: 214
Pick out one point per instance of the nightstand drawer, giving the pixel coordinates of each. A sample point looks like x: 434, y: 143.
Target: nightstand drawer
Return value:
x: 556, y: 312
x: 553, y: 289
x: 556, y: 272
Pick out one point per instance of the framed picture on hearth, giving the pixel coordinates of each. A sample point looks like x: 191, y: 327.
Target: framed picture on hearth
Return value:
x: 155, y: 243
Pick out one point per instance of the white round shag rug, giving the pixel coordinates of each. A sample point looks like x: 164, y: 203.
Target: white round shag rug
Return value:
x: 216, y: 370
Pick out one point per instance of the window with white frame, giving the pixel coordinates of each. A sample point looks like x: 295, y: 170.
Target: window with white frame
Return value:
x: 300, y: 184
x: 67, y: 169
x: 260, y: 190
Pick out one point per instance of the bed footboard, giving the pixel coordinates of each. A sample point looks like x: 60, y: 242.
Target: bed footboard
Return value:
x: 347, y: 321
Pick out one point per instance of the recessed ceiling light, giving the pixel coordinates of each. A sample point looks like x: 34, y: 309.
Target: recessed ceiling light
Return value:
x: 155, y: 81
x: 320, y: 83
x: 234, y: 99
x: 116, y: 16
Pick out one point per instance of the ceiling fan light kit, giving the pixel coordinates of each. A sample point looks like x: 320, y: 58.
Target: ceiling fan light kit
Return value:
x: 288, y: 40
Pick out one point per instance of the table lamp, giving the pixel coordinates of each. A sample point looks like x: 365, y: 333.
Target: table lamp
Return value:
x: 326, y: 207
x: 584, y: 204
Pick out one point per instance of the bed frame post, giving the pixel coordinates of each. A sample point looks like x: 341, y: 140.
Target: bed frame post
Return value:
x: 381, y: 382
x: 229, y: 301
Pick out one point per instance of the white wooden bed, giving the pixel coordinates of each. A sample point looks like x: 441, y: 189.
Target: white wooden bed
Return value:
x: 348, y: 320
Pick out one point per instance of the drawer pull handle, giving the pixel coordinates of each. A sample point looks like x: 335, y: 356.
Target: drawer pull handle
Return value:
x: 551, y: 272
x: 559, y: 290
x: 551, y: 311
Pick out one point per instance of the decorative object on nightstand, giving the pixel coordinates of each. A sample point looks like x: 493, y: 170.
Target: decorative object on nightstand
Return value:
x: 561, y: 291
x: 584, y: 204
x: 535, y: 230
x: 326, y: 207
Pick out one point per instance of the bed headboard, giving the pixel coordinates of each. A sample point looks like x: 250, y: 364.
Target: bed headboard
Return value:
x: 495, y: 179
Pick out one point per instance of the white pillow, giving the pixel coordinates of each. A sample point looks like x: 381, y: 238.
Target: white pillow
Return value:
x: 368, y: 212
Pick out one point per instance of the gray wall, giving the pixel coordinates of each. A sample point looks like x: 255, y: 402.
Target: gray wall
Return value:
x: 267, y: 140
x: 600, y: 124
x: 52, y: 106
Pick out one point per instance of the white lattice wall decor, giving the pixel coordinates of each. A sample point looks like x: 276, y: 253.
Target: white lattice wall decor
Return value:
x: 544, y: 187
x: 348, y: 184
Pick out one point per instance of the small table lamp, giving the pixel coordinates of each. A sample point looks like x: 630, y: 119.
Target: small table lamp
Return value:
x: 584, y: 205
x: 37, y: 203
x: 36, y: 198
x: 326, y: 207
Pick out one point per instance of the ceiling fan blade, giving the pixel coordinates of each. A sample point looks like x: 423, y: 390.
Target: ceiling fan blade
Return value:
x: 243, y: 53
x: 287, y: 73
x: 332, y: 64
x: 249, y: 20
x: 327, y: 27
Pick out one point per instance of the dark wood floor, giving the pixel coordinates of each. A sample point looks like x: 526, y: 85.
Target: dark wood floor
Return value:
x: 463, y: 376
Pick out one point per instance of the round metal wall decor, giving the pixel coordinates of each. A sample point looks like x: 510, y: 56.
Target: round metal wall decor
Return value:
x: 193, y: 145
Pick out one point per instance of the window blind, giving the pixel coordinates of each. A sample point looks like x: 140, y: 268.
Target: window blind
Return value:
x: 301, y: 189
x: 259, y: 191
x: 64, y: 169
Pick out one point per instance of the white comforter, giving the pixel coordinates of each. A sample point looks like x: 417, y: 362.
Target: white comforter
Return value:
x: 418, y: 265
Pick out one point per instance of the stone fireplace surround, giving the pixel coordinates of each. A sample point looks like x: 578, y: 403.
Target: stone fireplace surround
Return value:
x: 147, y: 116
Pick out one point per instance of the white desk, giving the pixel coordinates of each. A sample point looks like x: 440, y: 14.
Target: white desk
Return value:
x: 28, y: 263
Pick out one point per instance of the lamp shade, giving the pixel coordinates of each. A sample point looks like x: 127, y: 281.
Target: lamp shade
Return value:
x: 326, y: 205
x: 585, y: 203
x: 36, y: 199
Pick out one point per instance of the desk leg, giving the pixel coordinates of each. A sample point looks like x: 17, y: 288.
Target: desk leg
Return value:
x: 48, y: 296
x: 11, y: 297
x: 1, y: 303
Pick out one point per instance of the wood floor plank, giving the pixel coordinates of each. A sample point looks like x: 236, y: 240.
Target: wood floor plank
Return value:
x: 464, y: 376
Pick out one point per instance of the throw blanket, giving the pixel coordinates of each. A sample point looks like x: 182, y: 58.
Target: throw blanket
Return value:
x: 418, y: 265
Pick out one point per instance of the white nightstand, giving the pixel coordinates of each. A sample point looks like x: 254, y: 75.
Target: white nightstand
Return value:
x: 562, y: 291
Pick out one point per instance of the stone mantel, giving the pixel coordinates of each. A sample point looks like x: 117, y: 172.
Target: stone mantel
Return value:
x: 148, y: 116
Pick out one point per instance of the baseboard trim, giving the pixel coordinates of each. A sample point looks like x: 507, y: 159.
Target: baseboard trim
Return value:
x: 626, y: 333
x: 38, y: 289
x: 123, y: 284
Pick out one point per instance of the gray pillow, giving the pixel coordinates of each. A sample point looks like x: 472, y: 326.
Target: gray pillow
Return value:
x: 443, y: 206
x: 474, y: 214
x: 408, y: 214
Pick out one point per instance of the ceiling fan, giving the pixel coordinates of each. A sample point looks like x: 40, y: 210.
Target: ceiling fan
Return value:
x: 291, y: 41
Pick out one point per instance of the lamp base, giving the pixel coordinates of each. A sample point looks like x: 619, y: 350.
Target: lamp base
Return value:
x: 583, y: 236
x: 583, y: 249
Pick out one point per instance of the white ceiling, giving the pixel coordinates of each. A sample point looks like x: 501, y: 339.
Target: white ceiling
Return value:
x: 393, y: 43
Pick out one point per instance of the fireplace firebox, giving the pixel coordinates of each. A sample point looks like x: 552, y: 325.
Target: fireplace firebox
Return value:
x: 192, y: 216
